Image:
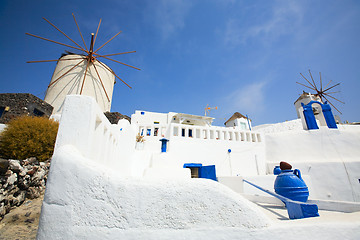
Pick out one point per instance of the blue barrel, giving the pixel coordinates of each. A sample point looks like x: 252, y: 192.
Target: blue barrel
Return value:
x: 290, y: 184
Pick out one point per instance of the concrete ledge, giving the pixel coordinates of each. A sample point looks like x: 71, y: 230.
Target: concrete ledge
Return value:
x: 339, y: 206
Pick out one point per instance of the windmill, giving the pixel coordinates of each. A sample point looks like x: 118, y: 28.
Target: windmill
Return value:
x: 321, y: 92
x: 82, y: 73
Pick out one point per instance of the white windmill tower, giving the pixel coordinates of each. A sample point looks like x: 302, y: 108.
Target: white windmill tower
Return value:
x: 82, y: 73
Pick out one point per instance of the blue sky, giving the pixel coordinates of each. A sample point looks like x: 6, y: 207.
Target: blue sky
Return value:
x: 241, y: 56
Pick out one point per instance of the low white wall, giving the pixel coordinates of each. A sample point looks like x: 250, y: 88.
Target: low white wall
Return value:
x: 331, y: 157
x: 84, y: 126
x: 322, y: 145
x: 333, y: 180
x: 83, y: 198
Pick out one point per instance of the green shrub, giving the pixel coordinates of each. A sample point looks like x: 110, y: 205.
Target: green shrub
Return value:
x: 26, y: 137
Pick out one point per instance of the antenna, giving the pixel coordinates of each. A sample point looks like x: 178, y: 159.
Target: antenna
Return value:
x: 207, y: 109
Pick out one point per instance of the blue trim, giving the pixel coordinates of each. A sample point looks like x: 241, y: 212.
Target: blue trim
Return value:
x: 248, y: 122
x: 310, y: 118
x: 187, y: 165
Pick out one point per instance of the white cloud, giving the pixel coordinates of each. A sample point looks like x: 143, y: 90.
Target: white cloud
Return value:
x: 169, y: 16
x: 248, y: 99
x: 283, y: 18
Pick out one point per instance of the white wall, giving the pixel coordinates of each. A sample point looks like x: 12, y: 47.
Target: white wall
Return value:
x: 321, y: 145
x: 245, y: 158
x: 331, y: 157
x: 148, y: 118
x: 84, y: 126
x: 85, y: 200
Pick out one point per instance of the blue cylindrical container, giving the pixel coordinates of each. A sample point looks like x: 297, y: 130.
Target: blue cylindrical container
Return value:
x: 290, y: 184
x: 277, y: 170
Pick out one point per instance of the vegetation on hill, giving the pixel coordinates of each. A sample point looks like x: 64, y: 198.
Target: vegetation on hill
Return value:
x: 26, y: 137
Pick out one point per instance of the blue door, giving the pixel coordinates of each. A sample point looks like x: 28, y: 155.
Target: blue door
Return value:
x: 208, y: 172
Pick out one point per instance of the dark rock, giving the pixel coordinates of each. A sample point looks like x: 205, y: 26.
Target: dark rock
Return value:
x: 114, y: 117
x: 27, y: 214
x: 23, y: 183
x: 38, y: 176
x: 30, y: 220
x: 32, y: 193
x: 4, y: 164
x: 19, y: 198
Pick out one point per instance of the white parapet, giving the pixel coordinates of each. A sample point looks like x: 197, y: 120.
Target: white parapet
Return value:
x: 84, y: 126
x: 84, y: 200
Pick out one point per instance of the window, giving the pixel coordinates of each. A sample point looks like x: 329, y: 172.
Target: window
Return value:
x: 148, y: 132
x: 190, y: 133
x: 2, y: 110
x: 176, y: 131
x: 38, y: 113
x: 194, y: 172
x: 156, y: 131
x: 183, y: 132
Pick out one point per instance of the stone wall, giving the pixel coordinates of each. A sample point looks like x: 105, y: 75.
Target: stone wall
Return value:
x: 13, y: 105
x: 21, y: 179
x: 114, y: 117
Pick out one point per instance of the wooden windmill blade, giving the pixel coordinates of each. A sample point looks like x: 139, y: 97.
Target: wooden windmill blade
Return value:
x: 322, y: 92
x: 84, y: 65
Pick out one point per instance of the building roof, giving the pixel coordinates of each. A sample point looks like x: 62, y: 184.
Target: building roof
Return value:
x: 313, y: 97
x: 193, y: 119
x: 235, y: 116
x: 13, y: 105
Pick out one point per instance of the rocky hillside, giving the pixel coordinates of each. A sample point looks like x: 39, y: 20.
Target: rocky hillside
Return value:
x: 20, y: 180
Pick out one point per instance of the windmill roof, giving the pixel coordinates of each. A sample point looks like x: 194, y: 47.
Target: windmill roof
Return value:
x: 306, y: 95
x: 235, y: 116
